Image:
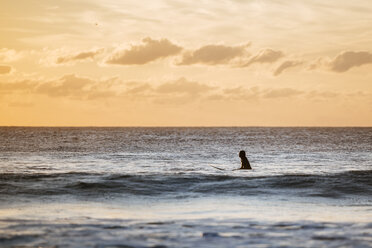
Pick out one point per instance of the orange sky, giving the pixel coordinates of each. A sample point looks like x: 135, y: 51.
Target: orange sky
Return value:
x: 186, y: 63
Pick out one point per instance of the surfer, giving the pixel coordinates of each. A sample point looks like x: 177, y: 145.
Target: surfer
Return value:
x: 245, y: 162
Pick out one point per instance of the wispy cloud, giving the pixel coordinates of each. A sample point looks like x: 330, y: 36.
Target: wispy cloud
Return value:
x: 78, y: 87
x: 281, y: 92
x: 322, y: 94
x: 67, y: 86
x: 264, y: 56
x: 150, y: 50
x: 183, y: 86
x: 172, y: 92
x: 285, y: 65
x: 137, y: 88
x: 78, y: 57
x: 254, y: 94
x: 9, y: 55
x: 181, y: 91
x: 213, y: 54
x: 26, y: 86
x: 20, y: 104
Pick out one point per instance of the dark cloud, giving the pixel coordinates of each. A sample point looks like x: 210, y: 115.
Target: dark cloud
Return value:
x: 5, y: 69
x: 78, y: 57
x: 213, y: 55
x: 349, y: 59
x: 285, y: 65
x: 147, y: 52
x: 265, y: 56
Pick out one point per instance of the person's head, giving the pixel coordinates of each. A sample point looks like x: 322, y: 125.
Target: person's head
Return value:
x: 242, y: 154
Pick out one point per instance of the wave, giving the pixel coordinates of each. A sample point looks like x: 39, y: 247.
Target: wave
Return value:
x: 93, y: 184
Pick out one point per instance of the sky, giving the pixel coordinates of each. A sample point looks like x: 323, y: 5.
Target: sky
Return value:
x: 185, y: 63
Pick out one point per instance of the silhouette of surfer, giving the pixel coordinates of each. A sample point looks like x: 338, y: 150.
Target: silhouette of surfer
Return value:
x: 245, y: 163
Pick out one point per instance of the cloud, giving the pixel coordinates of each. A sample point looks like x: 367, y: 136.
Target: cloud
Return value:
x: 183, y: 86
x: 254, y: 94
x: 77, y: 87
x: 170, y: 93
x: 9, y: 55
x: 20, y: 104
x: 175, y: 92
x: 236, y: 94
x: 349, y: 59
x: 67, y: 86
x: 149, y: 51
x: 137, y: 88
x: 5, y: 69
x: 285, y: 65
x: 78, y: 57
x: 11, y: 87
x: 241, y: 93
x: 213, y: 55
x: 65, y: 56
x: 322, y: 94
x: 264, y: 56
x: 318, y: 63
x: 282, y: 92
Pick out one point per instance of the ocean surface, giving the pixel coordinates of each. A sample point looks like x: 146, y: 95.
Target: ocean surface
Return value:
x: 158, y: 187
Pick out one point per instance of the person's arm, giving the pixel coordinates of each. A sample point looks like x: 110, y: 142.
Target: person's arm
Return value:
x: 245, y: 164
x: 249, y: 165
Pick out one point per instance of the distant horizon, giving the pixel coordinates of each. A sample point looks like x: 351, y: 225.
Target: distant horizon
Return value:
x: 194, y: 126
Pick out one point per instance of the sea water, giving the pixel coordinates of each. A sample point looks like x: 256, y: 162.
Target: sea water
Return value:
x: 158, y: 187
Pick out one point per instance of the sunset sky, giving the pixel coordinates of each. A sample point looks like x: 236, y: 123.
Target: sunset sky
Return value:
x: 185, y: 63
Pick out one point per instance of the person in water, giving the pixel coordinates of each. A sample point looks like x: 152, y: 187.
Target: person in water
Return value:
x: 245, y: 163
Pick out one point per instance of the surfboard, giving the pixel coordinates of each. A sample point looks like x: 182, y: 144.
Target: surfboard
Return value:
x: 222, y: 169
x: 216, y: 167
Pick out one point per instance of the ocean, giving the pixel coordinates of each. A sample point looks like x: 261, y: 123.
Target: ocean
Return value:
x: 158, y: 187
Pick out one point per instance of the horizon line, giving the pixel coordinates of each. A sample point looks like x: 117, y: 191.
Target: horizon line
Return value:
x: 191, y: 126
